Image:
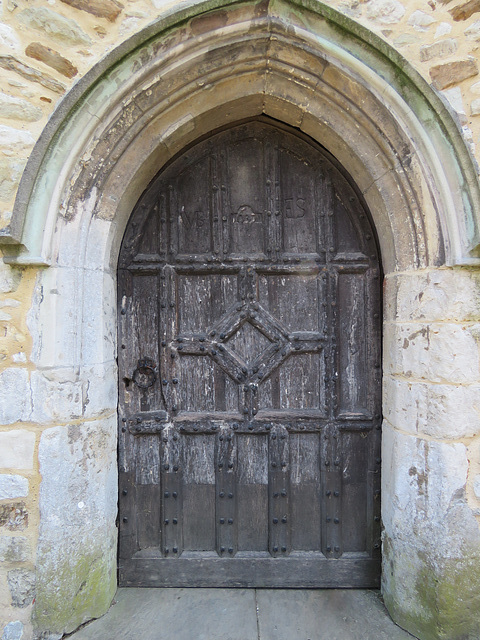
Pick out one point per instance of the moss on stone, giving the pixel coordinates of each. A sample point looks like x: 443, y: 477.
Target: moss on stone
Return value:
x: 446, y: 598
x: 88, y: 583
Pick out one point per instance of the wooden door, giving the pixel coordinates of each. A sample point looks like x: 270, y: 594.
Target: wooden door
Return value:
x: 249, y: 335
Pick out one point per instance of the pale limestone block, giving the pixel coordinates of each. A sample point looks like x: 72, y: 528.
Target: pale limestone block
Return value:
x: 475, y: 107
x: 136, y: 13
x: 455, y: 99
x: 443, y: 294
x: 420, y: 20
x: 421, y: 483
x: 476, y: 486
x: 14, y: 142
x: 22, y: 587
x: 9, y: 278
x: 434, y: 352
x: 84, y: 456
x: 87, y: 338
x: 405, y: 39
x: 402, y: 407
x: 352, y: 9
x: 63, y: 394
x: 10, y: 174
x: 443, y: 29
x: 98, y: 245
x: 15, y: 401
x: 72, y: 238
x: 129, y: 25
x: 161, y: 4
x: 17, y: 449
x: 9, y: 302
x: 56, y: 296
x: 54, y: 25
x: 473, y: 31
x: 8, y: 38
x: 13, y: 631
x: 436, y: 410
x: 57, y: 395
x: 13, y: 486
x: 98, y: 318
x: 440, y: 49
x: 77, y: 537
x: 14, y: 549
x: 80, y: 244
x: 18, y: 109
x: 385, y: 11
x: 475, y: 88
x: 101, y: 389
x: 13, y: 516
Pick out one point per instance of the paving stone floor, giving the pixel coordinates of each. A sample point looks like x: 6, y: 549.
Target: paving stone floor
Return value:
x: 244, y: 614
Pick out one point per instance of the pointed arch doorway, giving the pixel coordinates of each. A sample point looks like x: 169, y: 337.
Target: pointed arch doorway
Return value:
x: 250, y: 385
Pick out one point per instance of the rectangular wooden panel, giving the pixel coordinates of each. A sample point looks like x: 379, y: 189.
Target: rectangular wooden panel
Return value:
x: 199, y: 492
x: 352, y: 361
x: 245, y: 202
x: 190, y: 212
x: 196, y: 383
x: 147, y: 506
x: 301, y: 382
x: 252, y: 493
x: 305, y: 489
x: 354, y: 490
x: 294, y: 299
x: 203, y: 299
x: 139, y: 319
x: 298, y: 207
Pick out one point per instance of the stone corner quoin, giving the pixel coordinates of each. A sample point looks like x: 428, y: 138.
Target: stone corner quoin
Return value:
x: 58, y: 385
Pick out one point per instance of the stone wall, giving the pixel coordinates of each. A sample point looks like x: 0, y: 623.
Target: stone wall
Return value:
x: 432, y: 356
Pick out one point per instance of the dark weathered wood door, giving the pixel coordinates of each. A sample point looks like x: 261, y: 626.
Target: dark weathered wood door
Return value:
x: 249, y: 358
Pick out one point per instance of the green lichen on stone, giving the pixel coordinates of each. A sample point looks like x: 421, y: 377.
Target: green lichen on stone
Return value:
x: 445, y: 601
x: 458, y: 599
x: 71, y: 593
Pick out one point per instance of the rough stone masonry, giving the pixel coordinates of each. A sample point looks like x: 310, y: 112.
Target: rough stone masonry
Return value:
x: 431, y: 363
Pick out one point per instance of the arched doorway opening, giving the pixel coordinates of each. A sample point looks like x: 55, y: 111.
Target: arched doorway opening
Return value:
x: 249, y: 367
x: 197, y: 68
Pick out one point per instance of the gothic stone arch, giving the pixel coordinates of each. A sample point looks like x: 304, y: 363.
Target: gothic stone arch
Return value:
x: 192, y: 71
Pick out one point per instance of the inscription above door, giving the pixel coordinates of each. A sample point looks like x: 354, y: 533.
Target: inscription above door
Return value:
x: 249, y: 333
